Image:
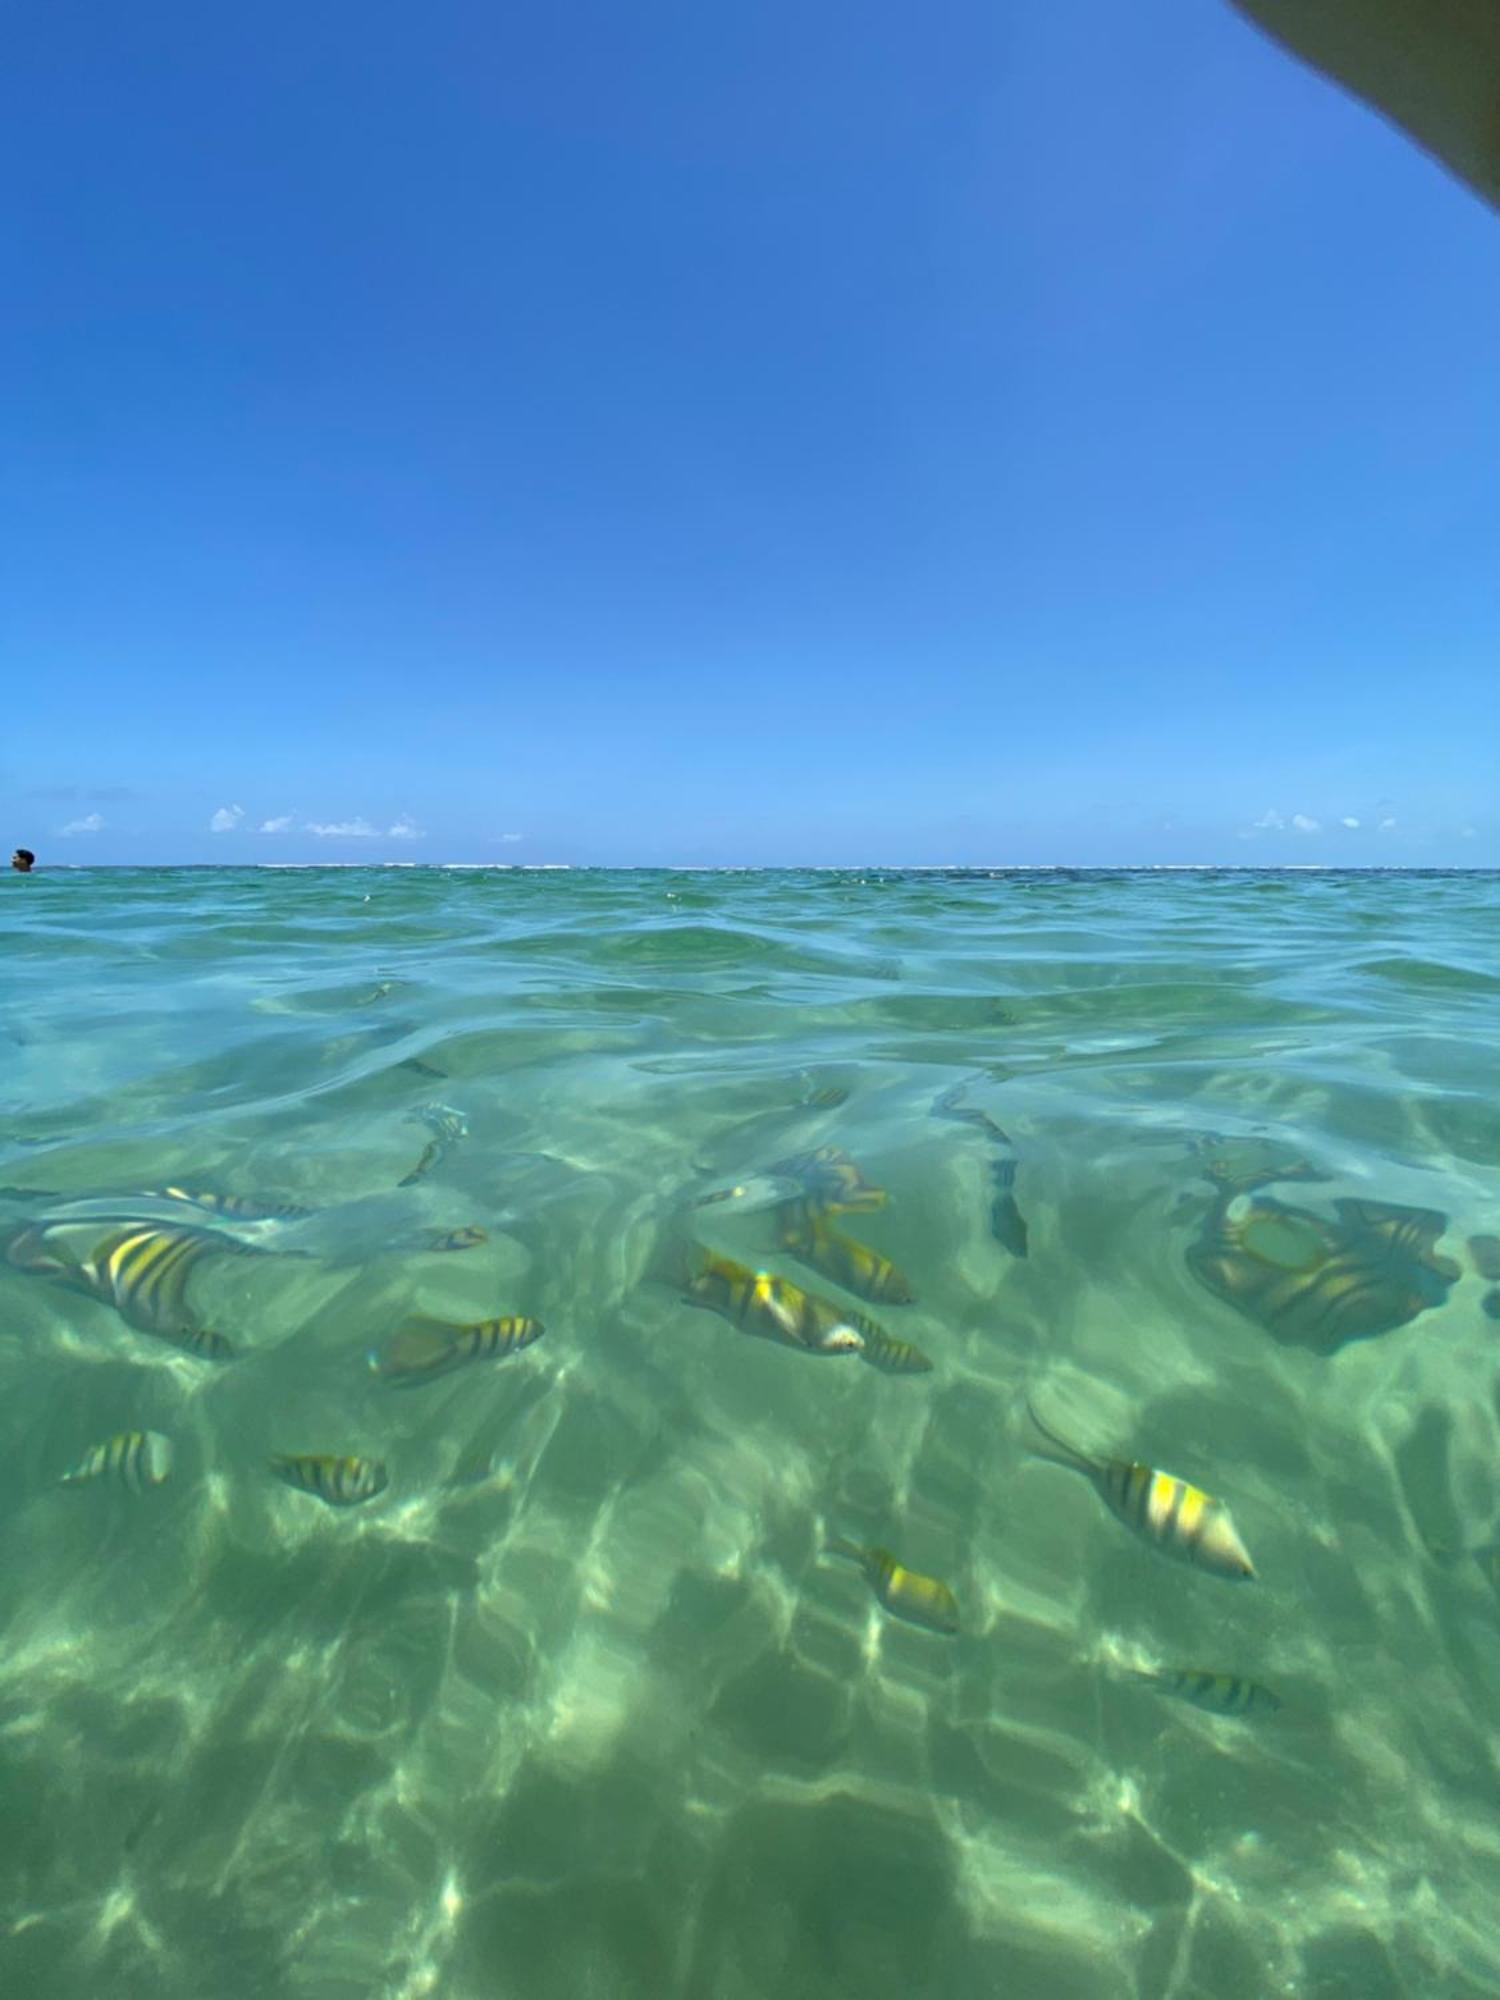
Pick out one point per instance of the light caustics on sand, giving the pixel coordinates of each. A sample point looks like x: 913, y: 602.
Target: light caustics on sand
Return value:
x: 586, y: 1662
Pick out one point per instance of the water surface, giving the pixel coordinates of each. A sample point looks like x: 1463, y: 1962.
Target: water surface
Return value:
x: 576, y: 1707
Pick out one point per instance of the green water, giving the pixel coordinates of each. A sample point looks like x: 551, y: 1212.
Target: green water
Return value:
x: 576, y: 1707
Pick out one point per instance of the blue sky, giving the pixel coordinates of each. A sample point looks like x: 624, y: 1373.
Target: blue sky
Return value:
x: 702, y: 434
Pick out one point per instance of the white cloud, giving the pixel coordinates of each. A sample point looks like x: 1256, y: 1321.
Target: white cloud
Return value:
x: 404, y: 829
x: 92, y: 824
x: 512, y: 836
x: 226, y: 819
x: 1387, y: 826
x: 1305, y: 825
x: 277, y: 825
x: 1347, y: 821
x: 1270, y: 822
x: 1470, y: 833
x: 344, y: 829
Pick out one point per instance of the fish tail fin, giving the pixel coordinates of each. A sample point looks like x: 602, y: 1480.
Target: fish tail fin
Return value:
x: 1008, y: 1225
x: 675, y: 1260
x: 841, y: 1546
x: 1058, y: 1449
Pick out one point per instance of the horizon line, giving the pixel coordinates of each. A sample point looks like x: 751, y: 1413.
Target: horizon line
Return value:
x: 793, y: 867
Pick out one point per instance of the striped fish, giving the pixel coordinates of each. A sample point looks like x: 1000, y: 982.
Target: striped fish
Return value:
x: 341, y: 1482
x: 135, y: 1459
x: 420, y: 1350
x: 773, y: 1308
x: 141, y: 1270
x: 831, y: 1181
x: 1320, y: 1284
x: 204, y: 1342
x: 143, y: 1274
x: 891, y: 1356
x: 809, y: 1235
x: 1220, y: 1694
x: 1179, y: 1519
x: 447, y: 1126
x: 238, y: 1207
x: 905, y: 1593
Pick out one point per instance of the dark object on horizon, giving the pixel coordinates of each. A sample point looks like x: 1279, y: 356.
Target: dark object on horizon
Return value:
x: 1318, y: 1283
x: 23, y: 861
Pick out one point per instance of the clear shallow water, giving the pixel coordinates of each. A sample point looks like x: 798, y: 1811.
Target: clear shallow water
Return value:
x: 575, y: 1707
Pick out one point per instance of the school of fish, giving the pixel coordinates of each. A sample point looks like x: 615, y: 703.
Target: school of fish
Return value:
x: 1308, y: 1279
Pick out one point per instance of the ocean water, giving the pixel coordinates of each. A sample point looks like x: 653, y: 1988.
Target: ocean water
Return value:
x: 581, y: 1704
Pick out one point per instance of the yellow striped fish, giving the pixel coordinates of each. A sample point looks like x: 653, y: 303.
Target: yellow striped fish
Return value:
x: 340, y: 1482
x: 141, y: 1270
x: 809, y: 1235
x: 1321, y: 1284
x: 136, y: 1459
x: 905, y: 1593
x: 1179, y: 1519
x: 1220, y: 1694
x: 773, y: 1308
x: 891, y: 1356
x: 238, y: 1207
x: 420, y: 1350
x: 143, y: 1274
x: 830, y: 1180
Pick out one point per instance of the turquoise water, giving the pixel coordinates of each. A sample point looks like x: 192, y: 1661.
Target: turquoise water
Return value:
x: 578, y: 1705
